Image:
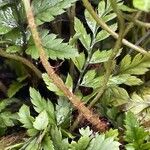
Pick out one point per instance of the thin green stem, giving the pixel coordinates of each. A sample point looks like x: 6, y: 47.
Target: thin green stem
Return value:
x: 82, y: 73
x: 136, y: 21
x: 131, y: 24
x: 27, y: 142
x: 41, y: 136
x: 85, y: 64
x: 23, y: 61
x: 15, y: 146
x: 109, y: 64
x: 100, y: 22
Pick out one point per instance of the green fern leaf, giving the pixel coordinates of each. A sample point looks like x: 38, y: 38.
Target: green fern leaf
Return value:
x: 31, y: 50
x: 115, y: 96
x: 84, y: 37
x: 90, y: 141
x: 143, y: 5
x: 33, y: 144
x: 47, y: 143
x: 135, y: 134
x: 50, y: 85
x: 69, y: 82
x: 125, y: 79
x: 89, y: 79
x: 138, y: 66
x: 79, y: 61
x: 25, y: 118
x: 112, y: 133
x: 7, y: 20
x: 109, y: 17
x: 103, y: 34
x: 54, y: 47
x: 6, y: 102
x: 41, y: 121
x: 83, y: 142
x: 90, y: 21
x: 102, y: 143
x: 58, y: 141
x: 14, y: 88
x: 6, y: 118
x: 105, y: 10
x: 138, y: 104
x: 63, y: 112
x: 41, y: 104
x: 13, y: 49
x: 46, y: 10
x: 100, y: 56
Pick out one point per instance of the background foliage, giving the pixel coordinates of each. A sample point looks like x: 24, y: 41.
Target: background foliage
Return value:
x: 34, y: 112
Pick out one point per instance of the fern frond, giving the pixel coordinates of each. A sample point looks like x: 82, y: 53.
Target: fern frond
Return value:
x: 40, y: 104
x: 25, y: 118
x: 136, y: 66
x: 135, y: 134
x: 46, y: 10
x: 84, y: 38
x: 54, y: 47
x: 140, y: 103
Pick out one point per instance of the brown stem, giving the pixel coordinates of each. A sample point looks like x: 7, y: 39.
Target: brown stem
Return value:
x: 88, y: 114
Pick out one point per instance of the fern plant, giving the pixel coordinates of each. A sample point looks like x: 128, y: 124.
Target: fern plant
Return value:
x: 8, y: 118
x: 135, y: 135
x: 86, y: 81
x: 47, y: 129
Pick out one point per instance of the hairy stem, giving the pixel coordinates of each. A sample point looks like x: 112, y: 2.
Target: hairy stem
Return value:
x: 100, y: 22
x: 88, y: 114
x: 109, y: 64
x: 136, y: 21
x: 131, y: 24
x: 23, y: 61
